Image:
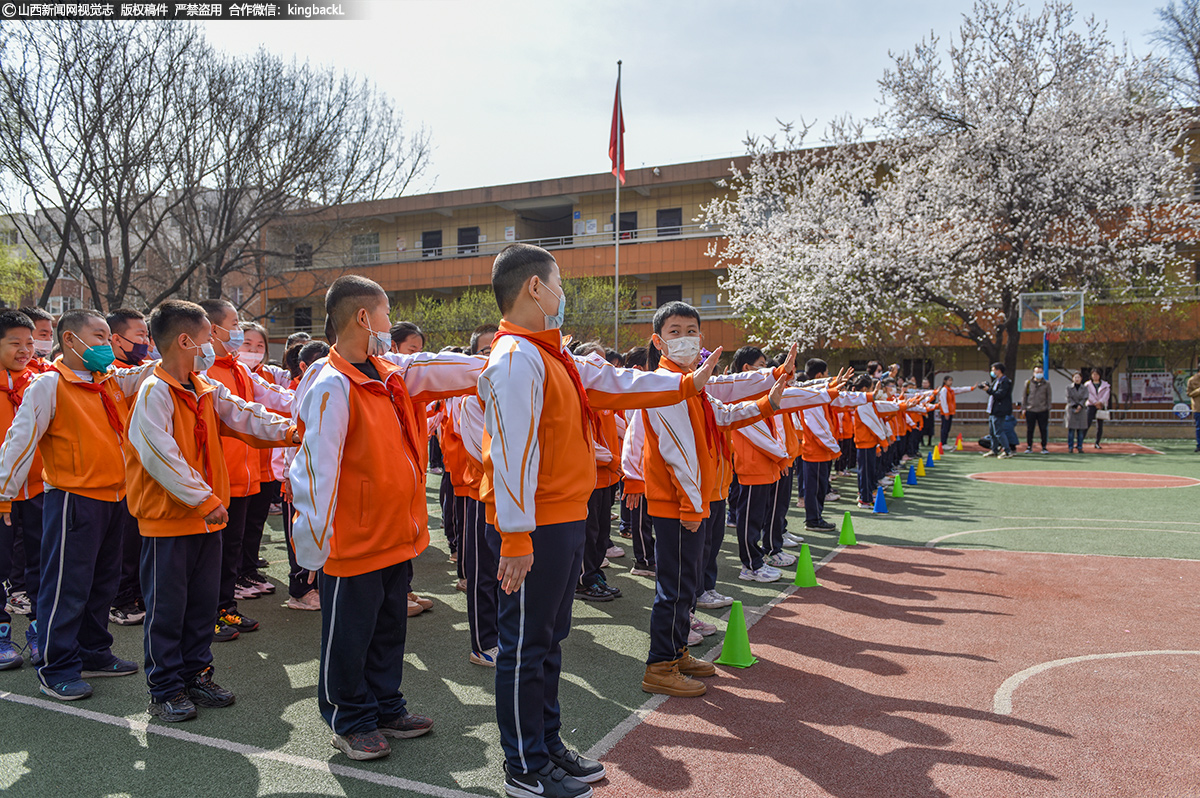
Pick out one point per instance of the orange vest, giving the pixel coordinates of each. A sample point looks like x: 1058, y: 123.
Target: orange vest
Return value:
x: 82, y: 449
x: 245, y: 466
x: 381, y: 517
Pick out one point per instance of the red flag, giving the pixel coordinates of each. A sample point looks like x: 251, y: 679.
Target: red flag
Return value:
x: 616, y: 139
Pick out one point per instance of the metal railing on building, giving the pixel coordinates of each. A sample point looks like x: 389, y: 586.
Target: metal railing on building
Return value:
x: 641, y: 235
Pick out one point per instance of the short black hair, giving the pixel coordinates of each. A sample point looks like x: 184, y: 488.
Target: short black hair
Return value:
x: 173, y: 317
x: 746, y: 356
x: 297, y: 338
x: 863, y: 382
x: 664, y: 312
x: 291, y: 359
x: 815, y: 366
x: 11, y: 319
x: 590, y: 348
x: 403, y: 330
x: 119, y: 319
x: 1000, y: 367
x: 482, y: 331
x: 614, y: 357
x: 873, y: 366
x: 947, y: 379
x: 75, y: 320
x: 37, y: 314
x: 313, y: 351
x: 513, y: 267
x: 347, y: 294
x: 636, y: 357
x: 217, y: 310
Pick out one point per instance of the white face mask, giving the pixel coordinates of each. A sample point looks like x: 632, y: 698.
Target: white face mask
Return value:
x: 556, y: 321
x: 204, y: 361
x: 1037, y: 375
x: 381, y: 342
x: 683, y: 351
x: 251, y: 359
x: 42, y: 348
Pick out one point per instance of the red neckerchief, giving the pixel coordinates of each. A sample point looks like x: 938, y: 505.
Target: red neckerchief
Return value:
x: 201, y: 429
x: 18, y: 386
x: 568, y: 362
x: 242, y: 385
x: 110, y: 407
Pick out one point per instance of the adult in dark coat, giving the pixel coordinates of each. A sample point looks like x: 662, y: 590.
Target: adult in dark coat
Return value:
x: 1000, y: 407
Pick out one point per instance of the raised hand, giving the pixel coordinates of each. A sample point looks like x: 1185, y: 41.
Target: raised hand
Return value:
x: 701, y: 375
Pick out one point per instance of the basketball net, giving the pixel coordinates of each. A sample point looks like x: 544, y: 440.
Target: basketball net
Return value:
x: 1053, y: 330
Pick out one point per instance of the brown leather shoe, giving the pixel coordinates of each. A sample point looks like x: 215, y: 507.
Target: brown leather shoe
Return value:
x: 424, y: 602
x: 664, y: 678
x: 414, y: 608
x: 690, y: 666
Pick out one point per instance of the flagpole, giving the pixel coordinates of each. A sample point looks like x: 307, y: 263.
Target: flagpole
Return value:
x: 617, y: 225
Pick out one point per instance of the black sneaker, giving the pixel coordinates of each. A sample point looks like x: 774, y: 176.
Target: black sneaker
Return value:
x: 578, y: 767
x: 118, y: 667
x: 820, y: 526
x: 615, y: 592
x: 127, y: 614
x: 241, y: 622
x: 206, y: 693
x: 592, y: 593
x: 261, y: 562
x: 405, y: 726
x: 175, y: 709
x: 223, y: 633
x: 549, y: 782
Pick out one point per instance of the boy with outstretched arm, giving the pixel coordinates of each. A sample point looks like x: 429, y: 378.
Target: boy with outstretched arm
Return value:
x: 74, y: 415
x: 179, y: 492
x: 360, y: 510
x: 539, y: 470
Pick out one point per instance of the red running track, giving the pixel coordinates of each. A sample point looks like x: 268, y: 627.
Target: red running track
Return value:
x: 883, y: 683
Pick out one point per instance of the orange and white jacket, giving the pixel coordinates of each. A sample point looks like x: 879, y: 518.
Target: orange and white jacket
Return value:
x: 245, y: 467
x: 356, y: 487
x: 79, y: 432
x: 820, y: 442
x: 870, y: 428
x: 763, y: 451
x: 176, y: 470
x: 539, y: 455
x: 12, y: 386
x: 947, y: 398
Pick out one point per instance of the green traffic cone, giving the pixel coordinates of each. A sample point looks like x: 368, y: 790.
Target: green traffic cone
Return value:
x: 847, y: 537
x: 735, y: 651
x: 897, y: 488
x: 806, y: 576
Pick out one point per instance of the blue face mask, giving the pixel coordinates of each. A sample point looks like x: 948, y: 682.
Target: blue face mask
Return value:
x: 97, y: 358
x: 237, y: 337
x: 556, y: 321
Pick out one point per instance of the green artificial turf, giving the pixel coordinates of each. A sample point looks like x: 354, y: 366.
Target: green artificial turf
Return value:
x: 274, y: 671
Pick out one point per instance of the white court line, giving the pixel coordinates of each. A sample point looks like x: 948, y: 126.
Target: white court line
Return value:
x: 241, y: 748
x: 982, y: 476
x: 1093, y: 520
x: 929, y: 544
x: 1002, y: 702
x: 753, y: 616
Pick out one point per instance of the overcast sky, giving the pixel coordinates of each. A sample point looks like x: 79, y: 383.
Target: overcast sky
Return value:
x: 521, y: 90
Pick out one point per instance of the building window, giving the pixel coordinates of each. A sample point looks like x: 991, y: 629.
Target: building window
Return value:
x: 237, y: 296
x: 302, y: 319
x: 468, y: 240
x: 918, y: 368
x: 303, y: 257
x: 628, y: 224
x: 365, y: 248
x: 670, y: 221
x: 431, y: 244
x: 8, y: 238
x: 94, y: 238
x: 668, y: 293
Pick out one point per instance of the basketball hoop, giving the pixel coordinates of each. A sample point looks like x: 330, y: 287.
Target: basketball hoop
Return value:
x: 1053, y: 330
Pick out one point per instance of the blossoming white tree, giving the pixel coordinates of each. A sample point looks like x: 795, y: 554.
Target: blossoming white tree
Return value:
x: 1032, y: 155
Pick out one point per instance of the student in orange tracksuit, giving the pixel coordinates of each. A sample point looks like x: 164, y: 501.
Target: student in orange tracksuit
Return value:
x: 43, y: 338
x: 243, y: 465
x: 74, y: 416
x: 539, y: 469
x: 178, y: 488
x: 360, y: 506
x: 23, y: 515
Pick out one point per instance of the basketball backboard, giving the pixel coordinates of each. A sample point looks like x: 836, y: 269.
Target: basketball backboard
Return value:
x: 1051, y: 309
